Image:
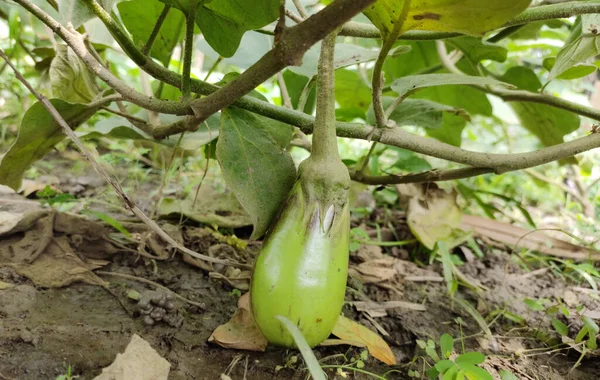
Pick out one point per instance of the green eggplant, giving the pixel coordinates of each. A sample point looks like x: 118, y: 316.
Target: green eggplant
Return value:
x: 301, y: 271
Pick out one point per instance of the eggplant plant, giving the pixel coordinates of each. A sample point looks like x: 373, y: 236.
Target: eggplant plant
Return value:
x: 301, y: 271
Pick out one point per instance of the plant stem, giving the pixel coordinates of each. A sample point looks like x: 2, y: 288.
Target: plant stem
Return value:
x: 161, y: 19
x: 378, y: 79
x: 188, y: 52
x: 324, y: 145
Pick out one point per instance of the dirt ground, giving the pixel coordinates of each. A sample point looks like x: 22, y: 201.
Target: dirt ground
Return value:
x: 44, y: 329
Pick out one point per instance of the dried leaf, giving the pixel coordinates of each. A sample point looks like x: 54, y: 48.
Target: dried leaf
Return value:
x: 139, y: 362
x: 434, y: 217
x: 348, y: 330
x: 241, y: 331
x: 375, y: 270
x: 538, y: 241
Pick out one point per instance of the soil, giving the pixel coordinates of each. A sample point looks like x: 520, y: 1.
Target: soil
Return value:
x: 43, y: 330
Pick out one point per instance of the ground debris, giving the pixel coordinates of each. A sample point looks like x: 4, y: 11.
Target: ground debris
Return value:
x: 139, y: 362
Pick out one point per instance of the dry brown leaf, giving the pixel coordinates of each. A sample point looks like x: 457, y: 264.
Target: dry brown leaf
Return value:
x: 348, y: 330
x: 538, y: 241
x: 139, y: 362
x: 366, y: 306
x: 57, y: 266
x: 375, y: 270
x: 341, y: 342
x: 241, y: 331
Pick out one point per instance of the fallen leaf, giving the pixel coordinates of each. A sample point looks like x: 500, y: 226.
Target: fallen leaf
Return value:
x: 139, y: 362
x: 211, y: 208
x: 13, y: 222
x: 341, y: 342
x: 375, y: 270
x: 241, y: 331
x: 348, y: 330
x: 537, y: 241
x: 365, y: 306
x: 433, y: 216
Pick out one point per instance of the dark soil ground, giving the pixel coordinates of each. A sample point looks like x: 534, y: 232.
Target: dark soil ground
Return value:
x: 43, y: 330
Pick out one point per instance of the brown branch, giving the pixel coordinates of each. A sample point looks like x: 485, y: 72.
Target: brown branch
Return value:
x: 293, y: 43
x: 129, y: 204
x: 428, y: 176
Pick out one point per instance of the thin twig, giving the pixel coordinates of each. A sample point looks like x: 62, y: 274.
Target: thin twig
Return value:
x: 149, y: 282
x: 378, y: 80
x: 113, y: 183
x: 159, y: 21
x: 293, y: 16
x: 300, y: 8
x: 285, y: 95
x: 190, y: 23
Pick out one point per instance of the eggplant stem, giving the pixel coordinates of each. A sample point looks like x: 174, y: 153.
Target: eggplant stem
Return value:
x: 324, y: 144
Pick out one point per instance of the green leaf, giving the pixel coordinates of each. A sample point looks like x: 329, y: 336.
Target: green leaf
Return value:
x: 547, y: 123
x: 577, y: 71
x: 592, y: 329
x: 466, y: 16
x: 422, y: 55
x: 309, y: 357
x: 584, y: 46
x: 255, y: 166
x: 351, y: 93
x: 560, y: 327
x: 407, y: 85
x: 476, y: 50
x: 70, y: 79
x: 535, y: 305
x: 77, y: 12
x: 140, y: 25
x: 38, y: 134
x: 409, y: 161
x: 224, y: 22
x: 444, y: 365
x: 419, y: 112
x: 507, y: 375
x: 345, y: 55
x: 470, y: 358
x: 108, y: 220
x: 295, y: 84
x: 475, y: 373
x: 446, y: 345
x: 451, y: 373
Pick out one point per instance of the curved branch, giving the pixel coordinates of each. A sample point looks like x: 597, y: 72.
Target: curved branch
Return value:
x: 428, y: 176
x: 77, y: 43
x: 390, y: 136
x: 541, y: 13
x: 290, y: 49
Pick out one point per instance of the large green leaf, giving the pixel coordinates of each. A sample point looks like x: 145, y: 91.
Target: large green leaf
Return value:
x: 421, y: 56
x: 472, y: 17
x: 140, y: 25
x: 345, y: 55
x: 352, y: 94
x: 547, y: 123
x: 255, y: 166
x: 476, y: 50
x: 407, y: 85
x: 38, y: 134
x: 224, y: 22
x: 419, y: 112
x: 69, y: 77
x: 585, y: 45
x: 77, y: 12
x: 295, y: 85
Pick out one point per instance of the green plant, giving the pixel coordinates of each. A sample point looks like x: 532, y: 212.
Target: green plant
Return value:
x: 448, y: 366
x: 67, y: 375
